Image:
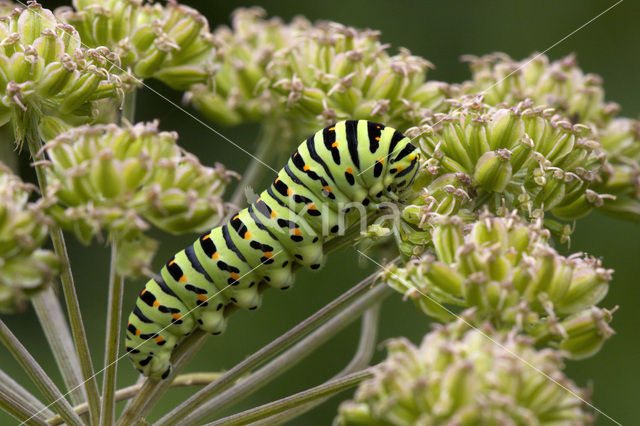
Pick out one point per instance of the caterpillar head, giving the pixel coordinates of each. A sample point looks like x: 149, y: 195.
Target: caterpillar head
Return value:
x: 402, y: 169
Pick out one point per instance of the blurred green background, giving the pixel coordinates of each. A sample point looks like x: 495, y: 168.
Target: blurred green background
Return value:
x: 441, y: 32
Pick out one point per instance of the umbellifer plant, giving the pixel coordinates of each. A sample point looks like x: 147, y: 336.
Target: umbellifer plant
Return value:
x: 470, y: 206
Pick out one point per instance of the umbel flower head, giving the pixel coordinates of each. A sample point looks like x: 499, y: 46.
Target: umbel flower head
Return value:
x: 45, y: 71
x: 522, y: 158
x: 560, y: 84
x: 505, y: 270
x: 25, y: 268
x: 169, y: 42
x: 120, y: 178
x: 317, y: 73
x: 459, y: 376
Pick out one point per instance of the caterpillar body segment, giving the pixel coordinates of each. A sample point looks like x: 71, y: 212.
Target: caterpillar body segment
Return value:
x: 350, y: 164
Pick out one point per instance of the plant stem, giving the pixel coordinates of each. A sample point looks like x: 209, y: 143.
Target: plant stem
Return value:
x: 16, y: 408
x: 321, y: 391
x: 55, y: 328
x: 183, y: 380
x: 114, y: 324
x: 68, y: 287
x: 10, y: 387
x: 129, y: 108
x: 38, y: 375
x: 360, y: 360
x: 205, y: 402
x: 265, y: 150
x: 152, y: 390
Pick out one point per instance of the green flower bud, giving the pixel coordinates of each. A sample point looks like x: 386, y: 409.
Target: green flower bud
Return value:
x: 507, y: 272
x: 118, y: 179
x: 462, y: 376
x: 493, y: 170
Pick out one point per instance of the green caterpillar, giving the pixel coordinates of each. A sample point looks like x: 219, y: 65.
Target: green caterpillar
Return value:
x: 352, y: 163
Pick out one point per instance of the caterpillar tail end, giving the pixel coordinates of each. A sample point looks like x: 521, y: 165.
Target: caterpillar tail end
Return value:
x: 157, y: 366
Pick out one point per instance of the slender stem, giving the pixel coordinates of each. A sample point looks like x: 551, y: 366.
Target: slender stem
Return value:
x: 68, y: 287
x: 55, y: 327
x: 38, y: 375
x: 152, y: 390
x: 360, y: 360
x: 114, y: 324
x: 10, y: 387
x: 183, y: 380
x: 203, y: 404
x: 321, y: 391
x: 265, y: 150
x: 15, y: 407
x: 129, y: 108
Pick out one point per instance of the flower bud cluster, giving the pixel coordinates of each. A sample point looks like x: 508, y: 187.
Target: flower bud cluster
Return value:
x: 45, y: 70
x: 506, y: 271
x: 522, y: 157
x: 560, y: 84
x: 25, y: 268
x: 171, y: 43
x: 120, y: 178
x: 459, y: 376
x: 318, y: 73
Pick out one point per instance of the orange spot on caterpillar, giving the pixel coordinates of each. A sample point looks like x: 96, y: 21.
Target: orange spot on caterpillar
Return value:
x: 259, y: 199
x: 399, y: 168
x: 234, y: 275
x: 176, y: 316
x: 138, y: 332
x: 296, y: 231
x: 295, y: 154
x: 183, y: 278
x: 172, y: 262
x: 273, y: 214
x: 381, y: 160
x: 289, y: 191
x: 327, y: 188
x: 159, y: 339
x: 268, y: 254
x: 378, y: 127
x: 236, y: 217
x: 349, y: 170
x: 247, y: 235
x: 206, y: 237
x: 156, y: 303
x: 143, y: 292
x: 377, y: 138
x: 334, y: 145
x: 215, y: 255
x: 306, y: 167
x: 331, y: 129
x: 202, y: 298
x: 277, y: 180
x: 312, y: 206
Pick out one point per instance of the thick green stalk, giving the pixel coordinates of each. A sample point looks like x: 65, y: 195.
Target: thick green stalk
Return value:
x: 205, y: 403
x: 16, y: 394
x: 322, y: 391
x: 114, y: 325
x: 68, y: 287
x: 38, y: 376
x: 183, y: 380
x: 55, y: 328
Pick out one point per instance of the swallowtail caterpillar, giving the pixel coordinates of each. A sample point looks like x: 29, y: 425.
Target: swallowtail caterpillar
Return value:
x: 350, y: 163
